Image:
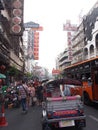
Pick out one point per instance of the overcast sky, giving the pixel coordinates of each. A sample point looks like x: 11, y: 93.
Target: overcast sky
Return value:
x: 52, y: 14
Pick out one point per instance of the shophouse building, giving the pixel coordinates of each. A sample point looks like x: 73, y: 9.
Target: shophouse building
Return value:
x: 11, y: 42
x: 90, y: 23
x: 78, y: 45
x: 85, y: 39
x: 66, y: 56
x: 31, y: 45
x: 63, y: 60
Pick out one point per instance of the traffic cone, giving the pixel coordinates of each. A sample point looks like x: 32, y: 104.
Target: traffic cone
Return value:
x: 3, y: 121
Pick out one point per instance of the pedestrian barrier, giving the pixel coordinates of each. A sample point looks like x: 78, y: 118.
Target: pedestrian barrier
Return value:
x: 3, y: 121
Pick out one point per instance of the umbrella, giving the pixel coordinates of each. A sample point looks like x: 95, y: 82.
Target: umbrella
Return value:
x: 2, y: 76
x: 44, y: 80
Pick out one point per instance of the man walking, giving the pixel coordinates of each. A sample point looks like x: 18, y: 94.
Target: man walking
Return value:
x: 23, y: 96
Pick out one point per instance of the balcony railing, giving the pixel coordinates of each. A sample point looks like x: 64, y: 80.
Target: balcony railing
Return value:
x: 15, y: 60
x: 92, y: 55
x: 96, y: 52
x: 64, y: 62
x: 63, y: 56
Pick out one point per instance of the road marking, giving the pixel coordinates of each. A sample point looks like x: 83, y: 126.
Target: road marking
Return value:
x: 94, y: 118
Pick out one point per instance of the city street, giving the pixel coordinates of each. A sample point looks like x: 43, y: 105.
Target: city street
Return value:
x: 32, y: 120
x: 48, y: 52
x: 18, y: 121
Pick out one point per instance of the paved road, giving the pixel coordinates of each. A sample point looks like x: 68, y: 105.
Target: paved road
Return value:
x: 92, y: 117
x: 18, y: 121
x: 32, y: 120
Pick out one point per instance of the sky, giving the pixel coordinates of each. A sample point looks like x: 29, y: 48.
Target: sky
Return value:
x: 51, y: 15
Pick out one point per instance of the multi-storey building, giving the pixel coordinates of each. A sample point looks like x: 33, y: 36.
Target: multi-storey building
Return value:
x: 11, y: 42
x: 66, y: 57
x: 31, y: 40
x: 78, y: 45
x: 85, y: 39
x: 91, y: 33
x: 63, y: 60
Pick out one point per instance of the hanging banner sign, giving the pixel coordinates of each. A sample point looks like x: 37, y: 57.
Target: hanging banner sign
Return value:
x: 16, y: 26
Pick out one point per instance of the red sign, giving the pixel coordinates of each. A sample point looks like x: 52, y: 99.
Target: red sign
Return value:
x: 38, y: 29
x: 36, y: 46
x: 36, y: 34
x: 36, y: 55
x: 17, y: 12
x: 17, y: 4
x: 69, y: 27
x: 36, y: 40
x: 55, y: 71
x: 36, y: 49
x: 16, y: 28
x: 17, y: 17
x: 16, y: 20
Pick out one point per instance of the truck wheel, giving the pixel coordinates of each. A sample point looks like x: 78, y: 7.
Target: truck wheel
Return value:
x: 45, y: 127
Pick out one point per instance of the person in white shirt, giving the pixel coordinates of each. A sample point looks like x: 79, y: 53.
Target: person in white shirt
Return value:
x: 65, y: 90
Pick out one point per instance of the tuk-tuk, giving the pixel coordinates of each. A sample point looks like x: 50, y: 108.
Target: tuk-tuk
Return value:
x: 60, y: 107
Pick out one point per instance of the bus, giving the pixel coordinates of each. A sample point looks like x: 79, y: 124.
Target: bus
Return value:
x: 87, y: 72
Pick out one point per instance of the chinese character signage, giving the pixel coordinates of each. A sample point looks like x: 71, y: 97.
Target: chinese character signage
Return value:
x: 16, y: 27
x: 55, y: 71
x: 36, y: 45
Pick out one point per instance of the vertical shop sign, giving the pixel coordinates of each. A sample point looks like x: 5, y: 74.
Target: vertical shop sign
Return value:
x: 36, y: 45
x: 16, y: 26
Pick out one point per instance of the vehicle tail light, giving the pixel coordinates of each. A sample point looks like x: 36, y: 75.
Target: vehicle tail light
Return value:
x: 49, y: 114
x: 65, y: 113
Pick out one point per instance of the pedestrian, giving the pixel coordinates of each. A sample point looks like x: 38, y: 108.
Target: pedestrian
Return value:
x: 67, y: 91
x: 22, y: 95
x: 32, y: 94
x: 26, y: 88
x: 39, y: 93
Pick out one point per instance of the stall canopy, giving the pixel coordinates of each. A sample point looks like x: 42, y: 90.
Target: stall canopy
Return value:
x: 2, y: 76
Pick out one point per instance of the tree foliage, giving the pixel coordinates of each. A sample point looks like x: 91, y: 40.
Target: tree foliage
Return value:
x: 13, y: 71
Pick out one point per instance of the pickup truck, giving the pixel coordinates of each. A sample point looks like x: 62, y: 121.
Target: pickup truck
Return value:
x: 62, y: 111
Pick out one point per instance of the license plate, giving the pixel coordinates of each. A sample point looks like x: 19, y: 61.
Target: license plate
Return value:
x: 66, y: 123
